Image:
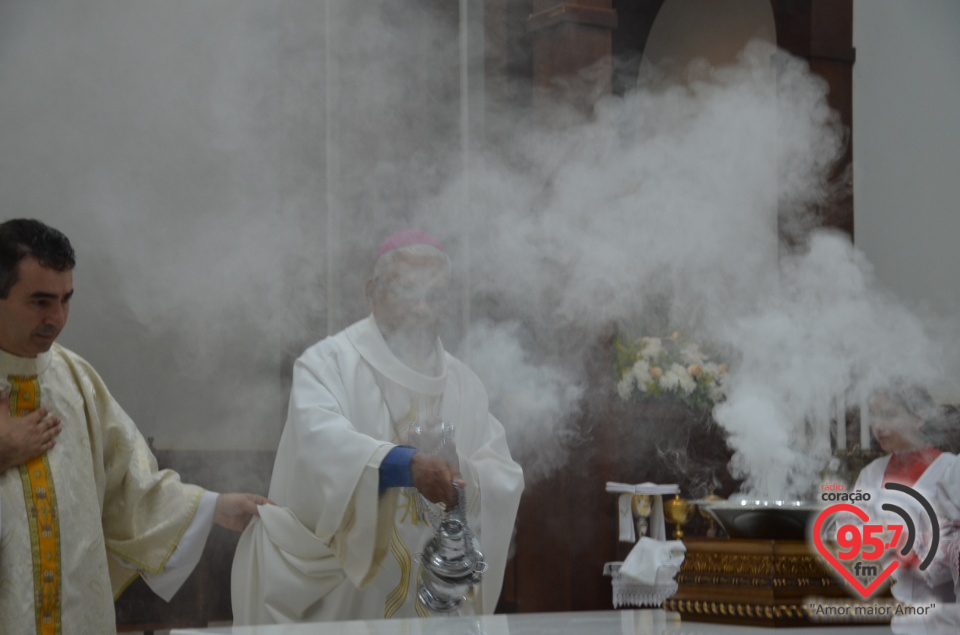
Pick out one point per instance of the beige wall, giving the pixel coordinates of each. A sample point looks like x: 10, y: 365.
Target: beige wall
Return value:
x: 906, y: 101
x: 906, y: 96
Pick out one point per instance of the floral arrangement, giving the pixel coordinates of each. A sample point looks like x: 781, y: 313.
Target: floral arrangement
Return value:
x: 669, y: 367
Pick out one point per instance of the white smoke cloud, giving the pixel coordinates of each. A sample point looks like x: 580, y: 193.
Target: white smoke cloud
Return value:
x: 196, y: 154
x: 671, y: 192
x: 538, y: 403
x: 666, y: 211
x: 828, y: 332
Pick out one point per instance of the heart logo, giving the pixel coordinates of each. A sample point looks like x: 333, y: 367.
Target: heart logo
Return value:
x: 867, y: 591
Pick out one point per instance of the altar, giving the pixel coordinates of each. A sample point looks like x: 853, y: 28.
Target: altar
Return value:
x: 625, y: 622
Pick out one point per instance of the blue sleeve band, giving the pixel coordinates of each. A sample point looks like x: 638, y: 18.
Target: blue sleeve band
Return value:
x: 395, y: 468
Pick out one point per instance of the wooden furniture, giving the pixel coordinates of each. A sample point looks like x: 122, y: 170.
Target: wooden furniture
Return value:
x: 764, y: 583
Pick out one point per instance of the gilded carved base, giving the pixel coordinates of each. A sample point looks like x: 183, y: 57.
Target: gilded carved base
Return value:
x: 757, y: 582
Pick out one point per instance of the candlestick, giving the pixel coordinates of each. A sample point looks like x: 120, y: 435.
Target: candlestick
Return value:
x: 841, y: 414
x: 864, y: 426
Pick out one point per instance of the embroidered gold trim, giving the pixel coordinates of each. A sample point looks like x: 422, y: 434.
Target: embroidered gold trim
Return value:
x: 401, y: 426
x: 418, y: 605
x: 411, y: 511
x: 40, y: 498
x: 397, y: 597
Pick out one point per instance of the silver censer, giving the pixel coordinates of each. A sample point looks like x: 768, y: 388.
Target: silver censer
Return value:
x: 450, y: 564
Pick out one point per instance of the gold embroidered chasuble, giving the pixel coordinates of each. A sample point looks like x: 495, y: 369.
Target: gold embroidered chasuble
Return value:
x: 98, y: 491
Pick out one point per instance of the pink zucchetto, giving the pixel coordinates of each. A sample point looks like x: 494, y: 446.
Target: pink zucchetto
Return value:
x: 407, y: 237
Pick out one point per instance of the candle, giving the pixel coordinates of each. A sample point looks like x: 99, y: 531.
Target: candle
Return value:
x: 841, y: 415
x: 864, y: 426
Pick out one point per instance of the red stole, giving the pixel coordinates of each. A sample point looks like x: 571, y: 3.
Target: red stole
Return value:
x: 907, y: 468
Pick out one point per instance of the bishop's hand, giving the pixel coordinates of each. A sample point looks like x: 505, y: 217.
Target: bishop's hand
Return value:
x: 433, y: 477
x: 22, y: 438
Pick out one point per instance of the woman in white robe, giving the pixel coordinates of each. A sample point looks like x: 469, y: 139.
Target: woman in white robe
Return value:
x: 897, y: 419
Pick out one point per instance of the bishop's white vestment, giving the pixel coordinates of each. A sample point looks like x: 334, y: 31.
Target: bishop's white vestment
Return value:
x: 96, y: 492
x: 334, y: 548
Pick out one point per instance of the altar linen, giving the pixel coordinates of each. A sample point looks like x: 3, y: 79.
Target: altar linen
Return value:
x: 654, y: 562
x: 335, y: 548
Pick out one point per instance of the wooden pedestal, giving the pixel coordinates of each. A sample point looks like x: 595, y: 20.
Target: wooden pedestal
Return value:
x: 761, y: 583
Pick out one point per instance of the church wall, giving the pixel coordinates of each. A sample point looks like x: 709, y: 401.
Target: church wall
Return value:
x: 906, y: 96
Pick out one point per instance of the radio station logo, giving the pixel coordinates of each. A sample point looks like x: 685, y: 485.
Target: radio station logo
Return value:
x: 864, y: 544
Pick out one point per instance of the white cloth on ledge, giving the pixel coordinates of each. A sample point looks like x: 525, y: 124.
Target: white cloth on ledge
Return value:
x: 646, y: 577
x: 626, y: 593
x: 654, y: 562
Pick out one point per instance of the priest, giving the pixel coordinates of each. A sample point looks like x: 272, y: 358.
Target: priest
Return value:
x: 83, y: 508
x: 381, y: 422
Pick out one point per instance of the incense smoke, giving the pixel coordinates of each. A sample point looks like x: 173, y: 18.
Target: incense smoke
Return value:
x: 227, y: 169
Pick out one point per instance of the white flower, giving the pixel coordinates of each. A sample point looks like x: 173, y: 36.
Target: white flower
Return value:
x: 650, y: 347
x: 635, y: 379
x: 691, y: 354
x: 641, y: 372
x: 671, y: 377
x: 684, y: 381
x: 666, y: 367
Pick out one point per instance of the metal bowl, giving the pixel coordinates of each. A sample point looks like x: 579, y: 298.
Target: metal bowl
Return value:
x: 768, y: 520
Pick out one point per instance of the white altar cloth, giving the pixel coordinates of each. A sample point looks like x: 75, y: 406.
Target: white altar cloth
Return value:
x: 623, y: 622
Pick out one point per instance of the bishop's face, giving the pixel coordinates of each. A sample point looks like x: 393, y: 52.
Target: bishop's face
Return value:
x: 36, y: 309
x: 410, y: 302
x: 896, y: 429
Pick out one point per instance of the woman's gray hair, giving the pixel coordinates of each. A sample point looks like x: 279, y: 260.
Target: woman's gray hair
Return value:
x: 913, y: 398
x: 938, y: 428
